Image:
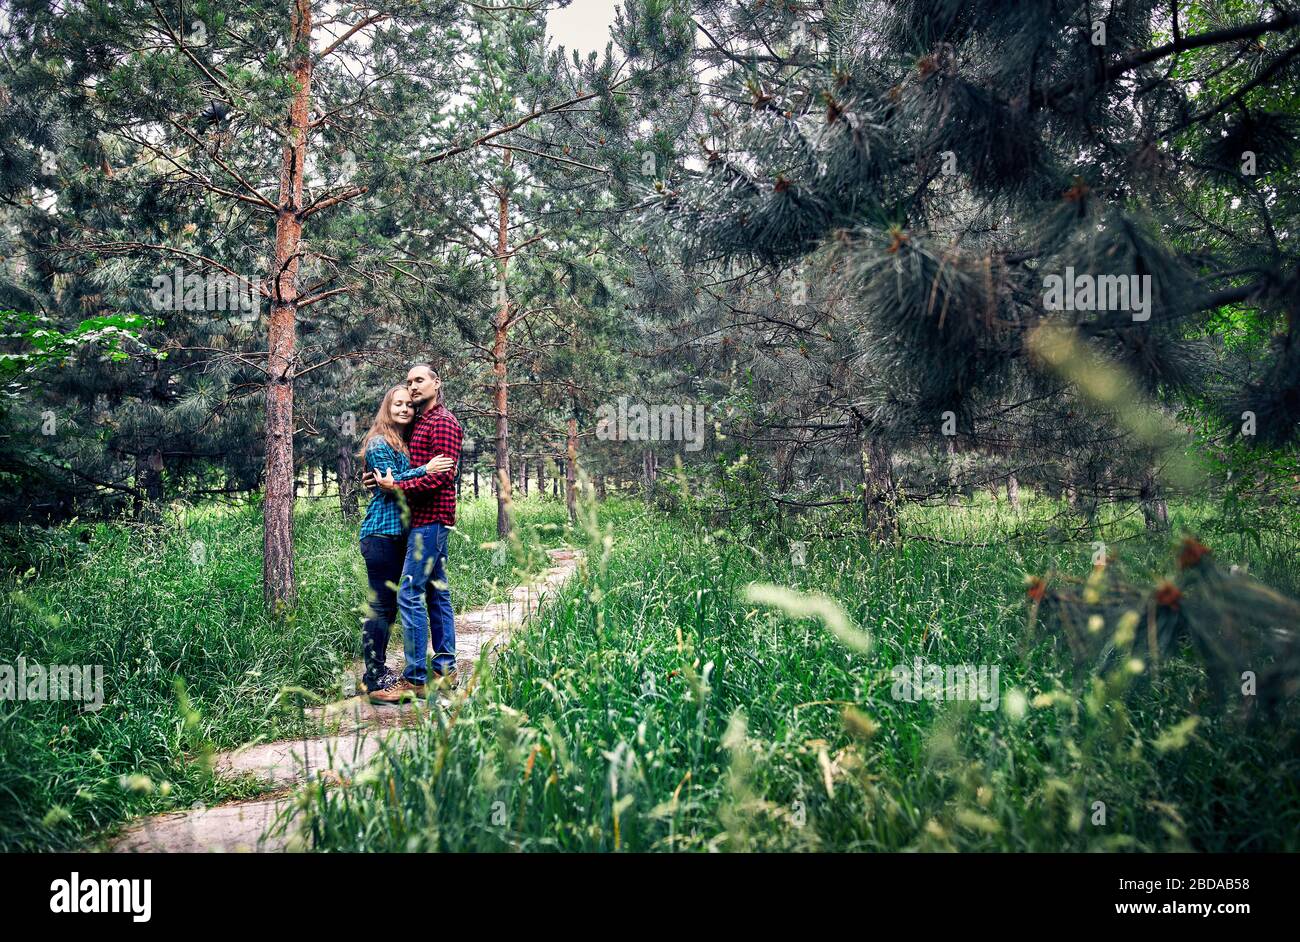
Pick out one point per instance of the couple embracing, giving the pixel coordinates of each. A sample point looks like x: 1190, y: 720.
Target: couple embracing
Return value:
x: 411, y: 452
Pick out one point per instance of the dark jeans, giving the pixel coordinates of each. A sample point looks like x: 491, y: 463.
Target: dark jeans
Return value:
x: 384, y: 556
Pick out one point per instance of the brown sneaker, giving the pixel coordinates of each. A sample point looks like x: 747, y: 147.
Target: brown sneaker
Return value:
x: 389, y: 678
x: 400, y: 692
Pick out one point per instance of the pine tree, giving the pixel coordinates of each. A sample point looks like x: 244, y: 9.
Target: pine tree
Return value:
x: 226, y: 130
x: 943, y: 161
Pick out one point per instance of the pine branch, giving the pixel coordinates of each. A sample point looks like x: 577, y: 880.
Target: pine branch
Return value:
x: 325, y: 202
x: 119, y: 248
x: 356, y: 28
x: 1109, y: 73
x: 1266, y: 76
x: 514, y: 125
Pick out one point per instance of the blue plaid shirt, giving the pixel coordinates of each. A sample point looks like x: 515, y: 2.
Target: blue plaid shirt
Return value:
x: 384, y: 513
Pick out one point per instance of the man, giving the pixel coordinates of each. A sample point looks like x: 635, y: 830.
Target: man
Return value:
x: 423, y: 598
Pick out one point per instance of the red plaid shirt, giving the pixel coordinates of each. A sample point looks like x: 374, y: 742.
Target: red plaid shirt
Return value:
x: 432, y: 498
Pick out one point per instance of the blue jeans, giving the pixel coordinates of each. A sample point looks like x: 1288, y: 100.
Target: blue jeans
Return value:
x: 424, y: 600
x: 385, y: 557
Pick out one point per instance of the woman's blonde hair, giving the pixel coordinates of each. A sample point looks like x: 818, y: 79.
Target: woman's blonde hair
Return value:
x: 384, y: 427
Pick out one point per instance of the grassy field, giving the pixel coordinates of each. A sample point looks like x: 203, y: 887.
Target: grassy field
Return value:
x: 183, y: 603
x: 652, y: 708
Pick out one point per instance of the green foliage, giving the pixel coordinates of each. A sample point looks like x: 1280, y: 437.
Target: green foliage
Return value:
x: 34, y: 343
x: 652, y: 709
x: 182, y: 605
x: 953, y: 155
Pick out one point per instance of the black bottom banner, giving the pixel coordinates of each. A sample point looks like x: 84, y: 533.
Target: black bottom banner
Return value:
x: 367, y: 893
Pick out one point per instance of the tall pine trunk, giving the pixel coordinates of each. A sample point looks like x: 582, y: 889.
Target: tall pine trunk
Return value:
x: 953, y: 474
x: 571, y: 470
x: 278, y: 585
x: 501, y: 398
x: 347, y: 481
x: 649, y: 472
x: 784, y: 461
x: 148, y: 483
x: 879, y: 491
x: 345, y: 466
x: 1013, y: 492
x: 1154, y: 510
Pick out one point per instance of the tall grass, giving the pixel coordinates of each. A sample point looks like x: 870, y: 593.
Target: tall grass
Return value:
x: 651, y: 708
x: 183, y: 603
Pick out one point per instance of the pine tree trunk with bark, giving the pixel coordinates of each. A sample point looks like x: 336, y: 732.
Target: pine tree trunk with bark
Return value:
x: 501, y: 396
x: 953, y: 475
x: 879, y: 491
x: 649, y: 472
x: 1154, y: 510
x: 278, y: 584
x: 571, y: 470
x: 148, y: 482
x: 347, y: 482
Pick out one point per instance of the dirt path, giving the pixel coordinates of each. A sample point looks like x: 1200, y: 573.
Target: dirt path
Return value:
x: 344, y: 737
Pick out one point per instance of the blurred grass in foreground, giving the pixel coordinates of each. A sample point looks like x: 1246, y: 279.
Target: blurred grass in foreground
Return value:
x: 653, y: 708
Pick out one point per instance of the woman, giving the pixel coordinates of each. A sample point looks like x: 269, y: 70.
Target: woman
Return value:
x: 383, y: 531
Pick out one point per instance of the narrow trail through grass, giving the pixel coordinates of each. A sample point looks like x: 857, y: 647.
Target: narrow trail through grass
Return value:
x: 334, y: 755
x: 192, y: 663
